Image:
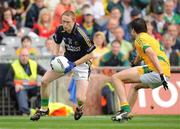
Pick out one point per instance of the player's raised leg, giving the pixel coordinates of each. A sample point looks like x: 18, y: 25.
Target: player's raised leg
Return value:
x: 119, y: 79
x: 46, y: 80
x: 81, y: 91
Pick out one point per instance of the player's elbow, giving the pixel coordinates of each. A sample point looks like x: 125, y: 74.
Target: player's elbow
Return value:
x: 91, y: 55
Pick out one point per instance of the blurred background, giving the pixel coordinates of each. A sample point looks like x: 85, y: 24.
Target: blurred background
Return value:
x: 30, y: 24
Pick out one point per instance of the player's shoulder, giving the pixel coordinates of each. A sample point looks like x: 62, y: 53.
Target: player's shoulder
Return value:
x: 80, y: 31
x: 142, y: 37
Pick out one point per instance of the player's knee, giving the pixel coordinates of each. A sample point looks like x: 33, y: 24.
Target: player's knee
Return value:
x: 44, y: 82
x: 114, y: 77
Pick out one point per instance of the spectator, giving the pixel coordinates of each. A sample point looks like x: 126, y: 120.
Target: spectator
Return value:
x: 89, y: 25
x: 114, y: 57
x: 126, y: 47
x: 23, y: 76
x: 173, y: 31
x: 159, y: 24
x: 141, y: 4
x: 44, y: 27
x: 63, y: 6
x: 105, y: 4
x: 9, y: 26
x: 33, y: 13
x: 177, y: 8
x: 116, y: 14
x: 98, y: 9
x: 109, y: 31
x: 49, y: 47
x: 150, y: 29
x: 80, y: 5
x: 127, y: 8
x: 167, y: 42
x: 171, y: 16
x: 100, y: 43
x: 135, y: 13
x: 26, y: 42
x: 116, y: 4
x: 154, y: 4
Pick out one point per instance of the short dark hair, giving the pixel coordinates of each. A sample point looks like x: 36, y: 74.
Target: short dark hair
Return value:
x: 139, y: 25
x: 26, y: 37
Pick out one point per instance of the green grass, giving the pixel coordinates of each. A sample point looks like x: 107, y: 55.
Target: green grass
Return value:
x: 91, y: 122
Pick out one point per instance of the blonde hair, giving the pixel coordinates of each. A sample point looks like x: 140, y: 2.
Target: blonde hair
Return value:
x: 43, y: 12
x: 99, y: 33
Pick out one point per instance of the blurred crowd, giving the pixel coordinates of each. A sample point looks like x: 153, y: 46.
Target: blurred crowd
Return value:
x: 27, y: 26
x: 106, y: 22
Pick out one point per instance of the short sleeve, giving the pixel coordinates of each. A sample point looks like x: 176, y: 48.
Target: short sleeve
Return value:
x: 87, y: 43
x: 142, y: 43
x: 57, y: 36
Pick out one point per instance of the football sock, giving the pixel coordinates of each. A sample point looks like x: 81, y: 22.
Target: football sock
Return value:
x: 125, y: 106
x: 44, y: 103
x: 80, y: 103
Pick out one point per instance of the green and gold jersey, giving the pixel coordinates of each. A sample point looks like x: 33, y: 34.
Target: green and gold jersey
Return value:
x: 142, y: 42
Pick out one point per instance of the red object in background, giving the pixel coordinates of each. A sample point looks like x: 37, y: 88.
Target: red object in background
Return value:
x: 159, y: 101
x: 43, y: 31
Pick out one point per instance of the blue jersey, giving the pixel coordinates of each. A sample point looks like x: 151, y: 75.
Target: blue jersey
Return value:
x: 77, y: 43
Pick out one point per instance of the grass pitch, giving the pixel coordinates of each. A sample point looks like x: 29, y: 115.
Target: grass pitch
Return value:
x: 91, y: 122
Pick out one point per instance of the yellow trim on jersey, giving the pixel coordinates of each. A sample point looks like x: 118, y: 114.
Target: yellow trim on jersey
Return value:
x: 85, y: 37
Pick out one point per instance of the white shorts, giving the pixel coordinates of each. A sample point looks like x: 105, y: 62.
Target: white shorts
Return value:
x: 151, y: 79
x: 81, y: 72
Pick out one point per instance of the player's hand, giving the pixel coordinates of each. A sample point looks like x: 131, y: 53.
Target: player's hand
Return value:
x: 70, y: 67
x: 164, y: 82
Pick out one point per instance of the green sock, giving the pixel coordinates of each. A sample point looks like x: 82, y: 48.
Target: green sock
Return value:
x: 80, y: 103
x: 126, y: 108
x: 44, y: 103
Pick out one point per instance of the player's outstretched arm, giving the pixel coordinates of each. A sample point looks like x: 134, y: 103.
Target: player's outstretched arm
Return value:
x: 84, y: 58
x: 153, y: 57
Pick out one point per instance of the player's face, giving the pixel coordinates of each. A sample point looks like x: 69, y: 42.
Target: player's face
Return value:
x: 67, y: 23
